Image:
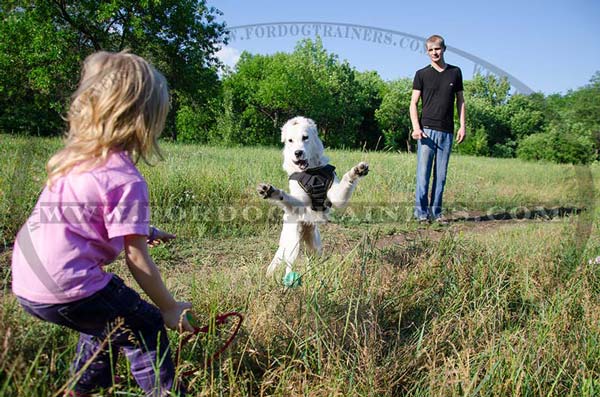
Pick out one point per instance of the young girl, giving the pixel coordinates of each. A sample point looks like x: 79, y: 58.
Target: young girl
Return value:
x: 94, y: 206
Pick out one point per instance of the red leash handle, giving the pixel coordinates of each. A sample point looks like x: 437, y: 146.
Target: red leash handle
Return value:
x: 220, y: 319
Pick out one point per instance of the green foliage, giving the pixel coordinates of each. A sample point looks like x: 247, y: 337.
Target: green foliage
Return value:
x: 42, y: 45
x: 489, y: 88
x: 535, y: 147
x: 369, y: 96
x: 503, y: 118
x: 196, y: 123
x: 393, y: 117
x: 485, y: 97
x: 38, y: 66
x: 583, y: 105
x: 268, y: 90
x: 558, y: 146
x: 524, y: 115
x: 187, y: 122
x: 581, y: 112
x: 227, y: 130
x: 476, y: 145
x: 572, y: 132
x: 504, y: 150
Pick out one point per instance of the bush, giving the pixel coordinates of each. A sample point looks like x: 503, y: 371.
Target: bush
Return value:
x: 505, y: 150
x: 189, y: 123
x: 557, y: 147
x: 396, y: 140
x: 475, y: 144
x: 392, y: 115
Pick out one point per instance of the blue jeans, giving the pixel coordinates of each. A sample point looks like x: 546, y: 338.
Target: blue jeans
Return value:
x: 142, y: 336
x: 433, y: 153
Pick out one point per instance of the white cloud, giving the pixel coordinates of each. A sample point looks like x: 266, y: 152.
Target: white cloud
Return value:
x: 229, y: 56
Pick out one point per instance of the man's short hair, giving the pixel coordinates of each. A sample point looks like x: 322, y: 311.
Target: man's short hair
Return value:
x: 436, y: 38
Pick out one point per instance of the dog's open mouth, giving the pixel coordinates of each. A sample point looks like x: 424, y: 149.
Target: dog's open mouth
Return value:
x: 302, y: 164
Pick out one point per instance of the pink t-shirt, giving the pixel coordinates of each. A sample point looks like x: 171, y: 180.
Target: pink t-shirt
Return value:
x: 76, y: 227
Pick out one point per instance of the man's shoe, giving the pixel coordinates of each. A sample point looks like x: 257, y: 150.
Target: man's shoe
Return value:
x: 441, y: 220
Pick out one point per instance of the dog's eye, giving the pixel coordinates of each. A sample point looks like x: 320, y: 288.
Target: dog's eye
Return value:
x: 305, y: 137
x: 290, y: 140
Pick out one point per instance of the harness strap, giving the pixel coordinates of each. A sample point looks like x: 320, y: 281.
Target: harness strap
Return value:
x: 316, y: 182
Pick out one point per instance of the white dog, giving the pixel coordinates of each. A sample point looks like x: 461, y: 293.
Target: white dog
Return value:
x: 314, y: 189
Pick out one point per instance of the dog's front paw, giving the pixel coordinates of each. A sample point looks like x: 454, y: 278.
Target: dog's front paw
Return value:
x: 267, y: 191
x: 361, y: 169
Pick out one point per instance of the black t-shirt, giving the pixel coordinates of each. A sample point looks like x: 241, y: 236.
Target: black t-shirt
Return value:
x: 438, y: 91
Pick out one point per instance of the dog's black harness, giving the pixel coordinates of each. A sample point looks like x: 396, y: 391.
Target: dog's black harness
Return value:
x: 316, y: 182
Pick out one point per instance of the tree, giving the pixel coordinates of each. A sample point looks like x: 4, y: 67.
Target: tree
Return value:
x: 578, y: 114
x: 393, y: 116
x: 337, y: 110
x: 493, y: 89
x: 267, y: 90
x: 583, y: 105
x: 525, y: 115
x: 485, y: 97
x: 369, y: 97
x: 180, y: 37
x: 38, y: 71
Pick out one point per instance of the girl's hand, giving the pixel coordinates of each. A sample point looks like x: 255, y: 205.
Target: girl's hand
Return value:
x: 175, y: 317
x: 158, y: 236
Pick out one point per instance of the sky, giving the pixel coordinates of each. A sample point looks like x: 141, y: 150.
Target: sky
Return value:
x: 544, y: 46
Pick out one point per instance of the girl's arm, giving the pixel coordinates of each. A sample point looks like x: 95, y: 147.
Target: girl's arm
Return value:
x: 145, y: 272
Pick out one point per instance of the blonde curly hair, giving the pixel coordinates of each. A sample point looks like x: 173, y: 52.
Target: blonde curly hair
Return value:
x: 121, y: 103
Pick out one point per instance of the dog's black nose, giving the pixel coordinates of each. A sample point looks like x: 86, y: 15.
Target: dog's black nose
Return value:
x: 299, y: 153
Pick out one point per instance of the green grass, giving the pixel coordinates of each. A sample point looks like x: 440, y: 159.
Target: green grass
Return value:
x: 499, y: 308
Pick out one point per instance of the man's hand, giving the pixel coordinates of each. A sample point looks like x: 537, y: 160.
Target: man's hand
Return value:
x: 418, y: 134
x: 460, y: 135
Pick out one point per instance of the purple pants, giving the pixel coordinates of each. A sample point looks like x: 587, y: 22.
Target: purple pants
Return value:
x: 142, y: 337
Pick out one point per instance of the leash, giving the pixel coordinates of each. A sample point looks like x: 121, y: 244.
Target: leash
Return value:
x: 219, y: 320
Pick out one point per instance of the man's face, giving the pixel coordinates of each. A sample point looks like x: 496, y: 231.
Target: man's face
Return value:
x: 435, y: 51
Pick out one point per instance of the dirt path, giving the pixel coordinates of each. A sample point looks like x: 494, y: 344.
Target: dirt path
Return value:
x: 343, y: 238
x: 477, y: 222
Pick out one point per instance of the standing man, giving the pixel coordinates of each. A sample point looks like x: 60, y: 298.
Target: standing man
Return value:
x: 438, y: 84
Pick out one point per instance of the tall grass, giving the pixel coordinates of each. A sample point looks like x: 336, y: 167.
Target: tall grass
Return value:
x: 202, y: 191
x: 481, y: 309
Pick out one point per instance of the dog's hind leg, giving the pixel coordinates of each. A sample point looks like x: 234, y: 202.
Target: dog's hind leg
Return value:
x: 275, y: 262
x: 312, y: 239
x: 289, y: 247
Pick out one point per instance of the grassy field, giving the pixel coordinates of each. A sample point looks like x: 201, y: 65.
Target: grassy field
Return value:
x: 506, y: 306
